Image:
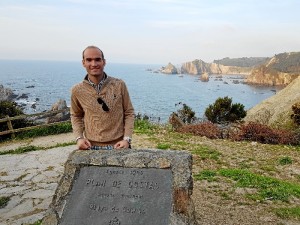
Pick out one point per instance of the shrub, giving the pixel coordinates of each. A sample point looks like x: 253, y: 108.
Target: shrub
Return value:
x: 206, y: 129
x: 296, y: 113
x: 11, y: 109
x: 186, y: 114
x: 264, y: 134
x: 223, y: 111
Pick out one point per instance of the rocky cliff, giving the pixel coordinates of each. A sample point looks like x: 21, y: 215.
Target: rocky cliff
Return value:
x: 279, y: 70
x: 198, y: 67
x: 276, y: 110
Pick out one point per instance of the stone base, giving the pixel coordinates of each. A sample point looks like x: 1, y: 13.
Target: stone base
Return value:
x: 178, y: 162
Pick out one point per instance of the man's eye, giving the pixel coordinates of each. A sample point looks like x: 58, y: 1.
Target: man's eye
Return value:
x: 89, y: 60
x: 98, y: 59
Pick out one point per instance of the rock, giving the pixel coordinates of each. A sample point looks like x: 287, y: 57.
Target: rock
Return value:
x: 276, y: 111
x: 61, y: 116
x: 59, y: 105
x: 6, y: 93
x: 169, y: 69
x: 281, y: 69
x: 175, y: 121
x: 204, y: 77
x: 22, y: 96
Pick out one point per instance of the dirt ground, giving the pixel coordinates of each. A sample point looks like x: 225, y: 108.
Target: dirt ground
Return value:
x: 220, y: 201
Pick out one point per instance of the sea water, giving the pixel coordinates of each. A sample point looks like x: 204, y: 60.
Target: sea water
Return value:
x: 152, y: 93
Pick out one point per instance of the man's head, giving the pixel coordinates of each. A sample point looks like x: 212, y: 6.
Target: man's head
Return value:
x: 92, y: 46
x: 93, y: 61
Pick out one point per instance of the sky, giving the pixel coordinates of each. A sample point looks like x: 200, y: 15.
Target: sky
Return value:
x: 148, y: 31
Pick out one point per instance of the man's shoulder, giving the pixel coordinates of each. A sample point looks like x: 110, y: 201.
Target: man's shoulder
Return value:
x: 114, y: 79
x: 78, y: 86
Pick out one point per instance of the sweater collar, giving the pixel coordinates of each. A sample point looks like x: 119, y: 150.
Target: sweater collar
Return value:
x: 96, y: 86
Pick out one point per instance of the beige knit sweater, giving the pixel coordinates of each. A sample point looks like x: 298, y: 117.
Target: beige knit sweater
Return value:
x: 89, y: 119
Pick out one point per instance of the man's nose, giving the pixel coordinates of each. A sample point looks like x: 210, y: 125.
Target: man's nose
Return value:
x: 94, y: 63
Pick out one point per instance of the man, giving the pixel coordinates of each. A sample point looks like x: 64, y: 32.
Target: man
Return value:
x: 102, y: 114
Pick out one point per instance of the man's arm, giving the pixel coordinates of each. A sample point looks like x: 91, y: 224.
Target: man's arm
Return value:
x: 77, y: 115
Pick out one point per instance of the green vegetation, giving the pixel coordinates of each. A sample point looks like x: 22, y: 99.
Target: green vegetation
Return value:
x: 206, y: 175
x: 287, y: 62
x: 206, y: 153
x: 296, y: 113
x: 144, y: 126
x: 223, y: 111
x: 4, y: 201
x: 285, y: 161
x: 288, y: 213
x: 31, y: 148
x: 242, y: 62
x: 39, y: 222
x: 268, y: 188
x: 185, y: 113
x: 63, y: 127
x: 163, y: 146
x: 11, y: 109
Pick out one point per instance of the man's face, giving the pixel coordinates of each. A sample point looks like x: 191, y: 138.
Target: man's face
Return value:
x: 93, y: 62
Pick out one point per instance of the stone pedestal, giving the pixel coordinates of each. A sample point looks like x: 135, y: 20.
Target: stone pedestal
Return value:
x: 124, y: 187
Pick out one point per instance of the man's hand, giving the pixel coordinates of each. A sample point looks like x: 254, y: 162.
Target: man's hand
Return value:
x: 83, y: 144
x: 121, y: 144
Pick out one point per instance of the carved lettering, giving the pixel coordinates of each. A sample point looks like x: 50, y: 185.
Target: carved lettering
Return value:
x: 143, y: 185
x: 113, y: 195
x: 133, y: 210
x: 94, y: 183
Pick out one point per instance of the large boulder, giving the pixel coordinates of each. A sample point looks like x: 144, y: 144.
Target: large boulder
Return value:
x: 61, y: 116
x: 6, y: 94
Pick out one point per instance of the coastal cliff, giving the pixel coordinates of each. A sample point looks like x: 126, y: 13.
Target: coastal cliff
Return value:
x: 223, y: 66
x: 276, y: 111
x: 281, y: 69
x: 198, y: 67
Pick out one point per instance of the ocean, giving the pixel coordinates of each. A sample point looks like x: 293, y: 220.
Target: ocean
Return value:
x: 153, y: 94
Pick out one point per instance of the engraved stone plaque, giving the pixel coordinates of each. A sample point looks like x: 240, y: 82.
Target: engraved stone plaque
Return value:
x: 119, y: 196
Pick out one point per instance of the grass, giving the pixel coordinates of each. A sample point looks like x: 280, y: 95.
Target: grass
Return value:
x: 31, y: 148
x: 60, y: 128
x: 288, y: 213
x: 285, y: 161
x: 268, y: 188
x: 206, y: 153
x: 144, y: 127
x: 208, y: 175
x: 39, y: 222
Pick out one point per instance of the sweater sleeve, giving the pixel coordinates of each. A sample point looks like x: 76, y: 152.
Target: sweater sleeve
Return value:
x: 128, y: 113
x: 77, y: 115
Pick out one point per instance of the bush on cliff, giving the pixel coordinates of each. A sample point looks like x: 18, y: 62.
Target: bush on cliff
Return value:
x: 223, y: 111
x: 185, y: 113
x: 296, y: 113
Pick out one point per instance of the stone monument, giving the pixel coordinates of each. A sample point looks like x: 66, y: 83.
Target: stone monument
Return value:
x: 127, y: 187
